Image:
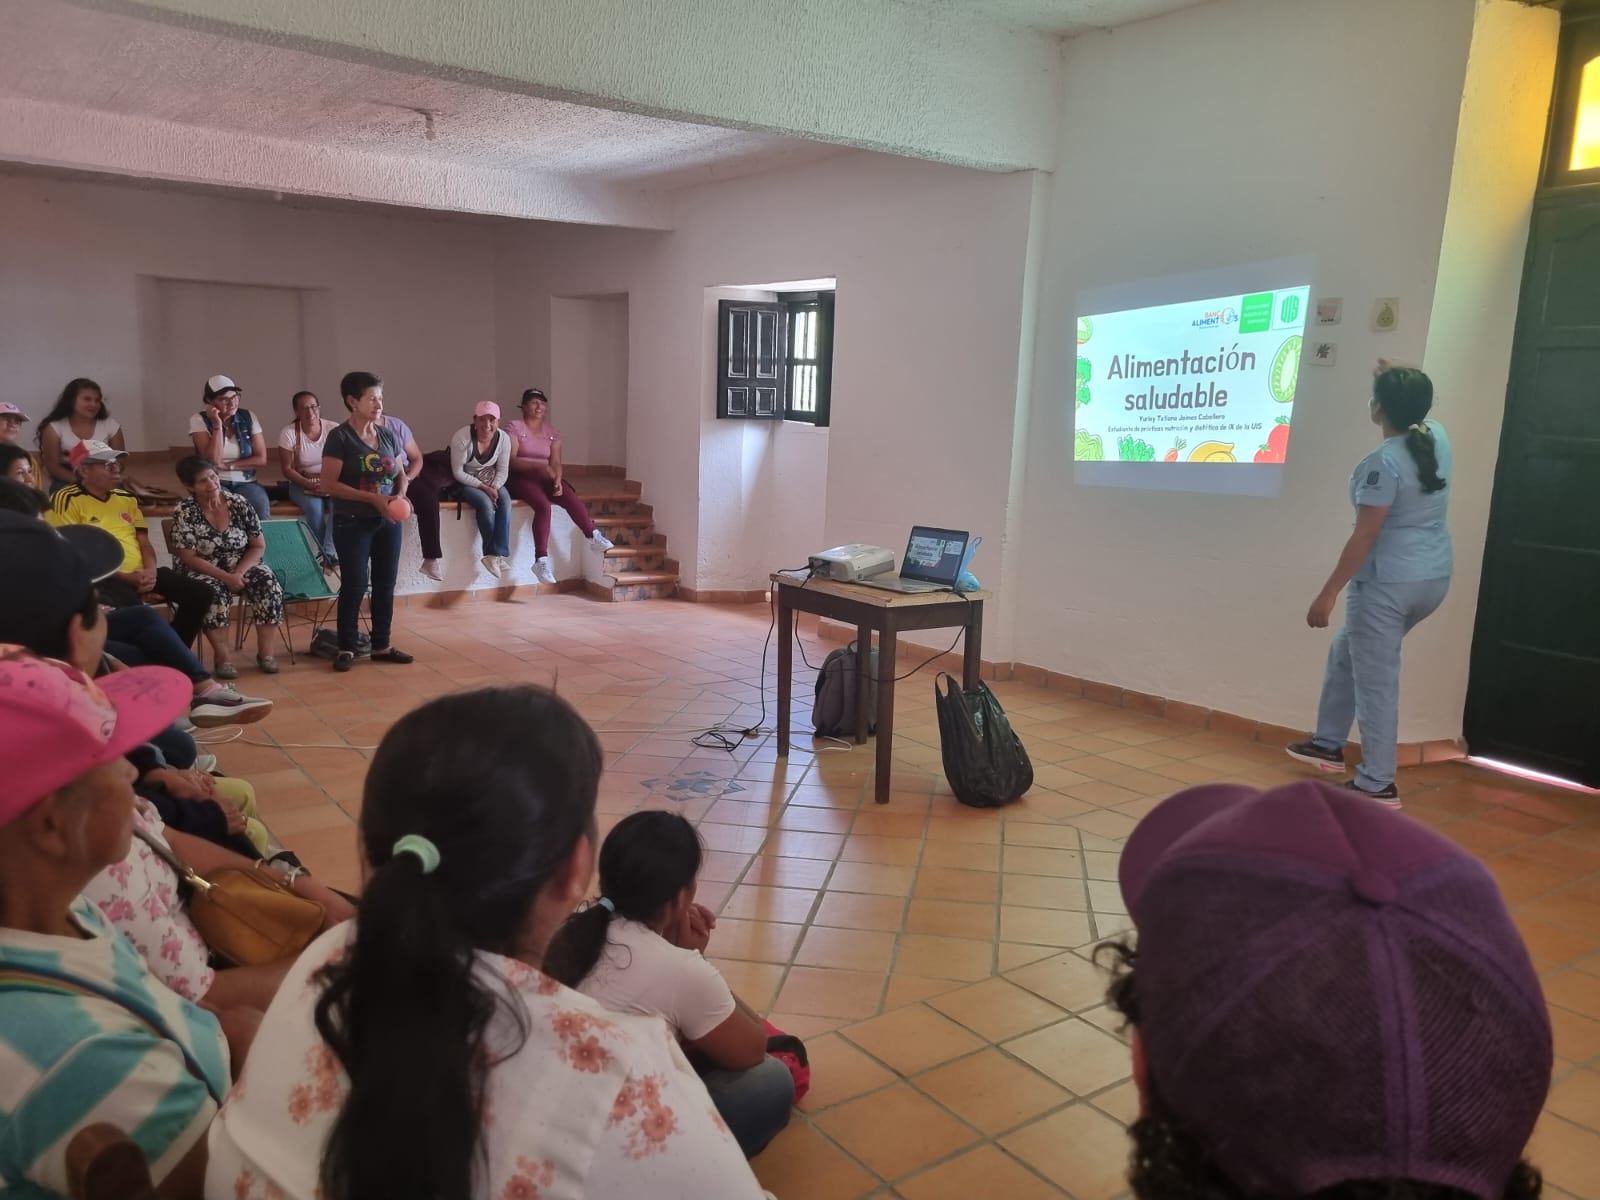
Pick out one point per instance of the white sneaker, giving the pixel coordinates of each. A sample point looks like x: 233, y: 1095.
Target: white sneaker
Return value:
x: 505, y: 566
x: 543, y: 571
x: 432, y: 568
x: 205, y: 762
x: 225, y: 706
x: 600, y: 541
x: 491, y: 564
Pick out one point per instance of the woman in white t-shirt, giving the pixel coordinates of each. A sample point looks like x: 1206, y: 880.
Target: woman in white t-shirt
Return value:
x: 300, y: 445
x: 78, y: 415
x: 230, y: 438
x: 639, y: 949
x: 418, y: 1051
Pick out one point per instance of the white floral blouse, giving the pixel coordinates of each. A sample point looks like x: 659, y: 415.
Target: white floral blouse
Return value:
x: 593, y: 1104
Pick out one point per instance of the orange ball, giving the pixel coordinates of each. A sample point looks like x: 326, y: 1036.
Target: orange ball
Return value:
x: 399, y: 508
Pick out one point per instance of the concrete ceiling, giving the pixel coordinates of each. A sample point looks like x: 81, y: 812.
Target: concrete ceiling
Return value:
x: 589, y: 111
x: 1066, y: 18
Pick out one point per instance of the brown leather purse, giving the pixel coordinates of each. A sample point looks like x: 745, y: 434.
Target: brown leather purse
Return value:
x: 247, y: 915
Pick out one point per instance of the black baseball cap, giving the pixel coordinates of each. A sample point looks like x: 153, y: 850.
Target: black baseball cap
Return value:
x: 48, y: 573
x: 534, y: 394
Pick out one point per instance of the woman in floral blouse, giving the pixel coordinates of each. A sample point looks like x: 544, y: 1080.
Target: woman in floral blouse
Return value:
x: 419, y: 1051
x: 216, y: 536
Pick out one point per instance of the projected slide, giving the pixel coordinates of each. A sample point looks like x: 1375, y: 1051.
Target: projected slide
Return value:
x: 1203, y: 381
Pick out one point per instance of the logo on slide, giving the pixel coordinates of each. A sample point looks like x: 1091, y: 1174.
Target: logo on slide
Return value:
x: 1216, y: 318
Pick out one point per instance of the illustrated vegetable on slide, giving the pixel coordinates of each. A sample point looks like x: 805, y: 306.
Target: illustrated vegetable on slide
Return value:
x: 1276, y: 449
x: 1213, y: 452
x: 1177, y: 449
x: 1088, y: 448
x: 1085, y: 369
x: 1285, y: 370
x: 1132, y: 449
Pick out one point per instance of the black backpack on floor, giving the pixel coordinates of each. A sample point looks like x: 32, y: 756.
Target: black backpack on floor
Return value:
x: 833, y: 711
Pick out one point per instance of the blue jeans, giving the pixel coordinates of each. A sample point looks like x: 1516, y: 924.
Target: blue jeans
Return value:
x: 318, y: 514
x: 254, y: 494
x: 362, y: 539
x: 140, y: 636
x: 754, y: 1103
x: 1362, y: 680
x: 494, y: 519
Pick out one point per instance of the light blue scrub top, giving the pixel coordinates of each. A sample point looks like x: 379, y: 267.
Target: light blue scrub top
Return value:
x: 1414, y: 544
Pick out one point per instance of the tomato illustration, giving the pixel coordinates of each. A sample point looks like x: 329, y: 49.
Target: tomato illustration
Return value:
x: 1277, y: 448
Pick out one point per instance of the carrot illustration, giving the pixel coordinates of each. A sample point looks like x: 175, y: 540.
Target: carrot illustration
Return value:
x: 1172, y: 455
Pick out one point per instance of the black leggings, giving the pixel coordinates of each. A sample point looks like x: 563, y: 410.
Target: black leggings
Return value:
x: 189, y: 597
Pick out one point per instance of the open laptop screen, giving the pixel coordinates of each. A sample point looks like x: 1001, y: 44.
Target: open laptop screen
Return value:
x: 934, y: 555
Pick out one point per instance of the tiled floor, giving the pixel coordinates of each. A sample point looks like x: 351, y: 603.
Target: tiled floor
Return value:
x: 934, y: 957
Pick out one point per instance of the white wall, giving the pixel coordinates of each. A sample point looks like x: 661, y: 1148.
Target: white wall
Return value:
x: 588, y: 383
x: 409, y: 297
x: 1240, y: 131
x: 929, y: 318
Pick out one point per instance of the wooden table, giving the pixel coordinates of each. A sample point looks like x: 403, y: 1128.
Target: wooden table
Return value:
x: 889, y: 614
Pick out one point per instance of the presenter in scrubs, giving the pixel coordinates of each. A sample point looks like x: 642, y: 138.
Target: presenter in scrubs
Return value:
x: 1394, y: 571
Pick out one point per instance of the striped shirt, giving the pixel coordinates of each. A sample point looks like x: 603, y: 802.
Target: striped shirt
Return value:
x: 132, y: 1053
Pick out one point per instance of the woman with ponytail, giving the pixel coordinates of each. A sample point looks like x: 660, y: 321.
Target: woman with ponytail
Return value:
x: 1397, y: 567
x: 638, y: 949
x: 418, y: 1052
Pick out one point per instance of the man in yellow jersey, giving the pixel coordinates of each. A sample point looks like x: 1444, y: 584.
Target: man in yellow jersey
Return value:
x: 97, y: 500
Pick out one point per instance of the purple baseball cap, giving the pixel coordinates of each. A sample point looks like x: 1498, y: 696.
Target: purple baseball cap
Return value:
x: 1329, y: 991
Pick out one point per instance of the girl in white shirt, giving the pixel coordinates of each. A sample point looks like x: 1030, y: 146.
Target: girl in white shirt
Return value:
x: 638, y: 949
x: 78, y: 415
x: 300, y: 455
x: 418, y: 1051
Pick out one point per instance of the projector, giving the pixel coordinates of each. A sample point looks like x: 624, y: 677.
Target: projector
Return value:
x: 850, y: 563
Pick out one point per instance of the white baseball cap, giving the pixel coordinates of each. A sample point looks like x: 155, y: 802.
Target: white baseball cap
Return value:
x: 94, y: 452
x: 218, y: 384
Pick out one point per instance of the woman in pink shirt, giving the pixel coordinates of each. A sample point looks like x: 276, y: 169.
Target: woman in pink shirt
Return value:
x: 536, y: 480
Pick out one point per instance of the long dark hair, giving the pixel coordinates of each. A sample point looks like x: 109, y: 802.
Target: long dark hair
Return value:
x: 503, y: 782
x: 645, y: 862
x: 1169, y: 1162
x: 64, y: 402
x: 1405, y: 395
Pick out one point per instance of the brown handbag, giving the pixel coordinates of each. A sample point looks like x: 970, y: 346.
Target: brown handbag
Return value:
x: 247, y: 916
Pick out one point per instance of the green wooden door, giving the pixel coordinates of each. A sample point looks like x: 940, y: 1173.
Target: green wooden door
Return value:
x: 1533, y: 697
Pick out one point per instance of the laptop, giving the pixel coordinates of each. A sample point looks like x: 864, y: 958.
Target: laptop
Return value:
x: 932, y: 562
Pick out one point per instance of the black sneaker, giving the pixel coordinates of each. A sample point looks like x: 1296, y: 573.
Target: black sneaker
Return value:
x: 1388, y: 796
x: 1310, y: 752
x: 343, y: 660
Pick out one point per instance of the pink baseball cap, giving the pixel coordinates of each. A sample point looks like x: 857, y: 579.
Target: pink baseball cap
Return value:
x: 487, y: 408
x: 71, y: 724
x: 11, y: 410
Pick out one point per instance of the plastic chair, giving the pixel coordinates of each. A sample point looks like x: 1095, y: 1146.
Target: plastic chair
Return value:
x: 291, y: 555
x: 103, y: 1163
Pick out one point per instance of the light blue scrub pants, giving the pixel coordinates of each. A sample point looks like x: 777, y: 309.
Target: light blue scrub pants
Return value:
x: 1362, y: 681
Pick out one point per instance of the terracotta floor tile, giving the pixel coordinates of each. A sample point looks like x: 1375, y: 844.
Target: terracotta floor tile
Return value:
x: 1043, y: 891
x: 1012, y: 955
x: 1075, y: 1054
x: 818, y: 991
x: 963, y: 856
x: 890, y: 824
x: 1577, y: 1098
x: 905, y: 989
x: 847, y: 949
x: 945, y: 957
x: 755, y: 983
x: 1051, y: 837
x: 754, y: 941
x: 795, y: 843
x: 997, y: 1009
x: 752, y: 903
x: 955, y: 918
x: 992, y: 1092
x: 888, y: 851
x: 1578, y: 991
x: 732, y: 838
x: 1079, y: 1149
x: 895, y: 1131
x: 742, y: 812
x: 769, y: 870
x: 801, y: 1162
x: 912, y: 1039
x: 840, y: 1072
x: 871, y: 878
x: 1041, y: 860
x: 815, y: 820
x: 952, y: 828
x: 1045, y: 927
x: 948, y: 883
x: 1120, y: 1102
x: 986, y: 1171
x: 1577, y: 1037
x: 855, y: 910
x: 721, y: 866
x: 1568, y: 1155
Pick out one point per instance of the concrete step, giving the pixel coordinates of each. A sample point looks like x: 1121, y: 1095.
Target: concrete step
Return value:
x: 635, y: 585
x: 637, y: 558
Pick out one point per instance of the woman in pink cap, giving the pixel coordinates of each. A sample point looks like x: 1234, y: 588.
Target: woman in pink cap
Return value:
x: 480, y: 459
x: 536, y: 480
x: 87, y: 1032
x: 11, y: 422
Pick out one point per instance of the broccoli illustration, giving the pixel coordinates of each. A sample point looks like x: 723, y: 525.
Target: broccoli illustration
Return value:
x: 1083, y: 396
x: 1131, y: 449
x: 1085, y: 370
x: 1088, y: 448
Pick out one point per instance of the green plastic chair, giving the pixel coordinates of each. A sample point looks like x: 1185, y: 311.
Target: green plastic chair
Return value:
x: 291, y: 555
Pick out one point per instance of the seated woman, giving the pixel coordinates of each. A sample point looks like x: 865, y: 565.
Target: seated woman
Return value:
x: 639, y: 948
x: 419, y: 1051
x: 89, y: 1034
x: 300, y: 455
x: 480, y: 454
x: 78, y: 415
x: 217, y: 538
x: 231, y: 438
x: 17, y: 464
x: 536, y: 480
x: 12, y: 420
